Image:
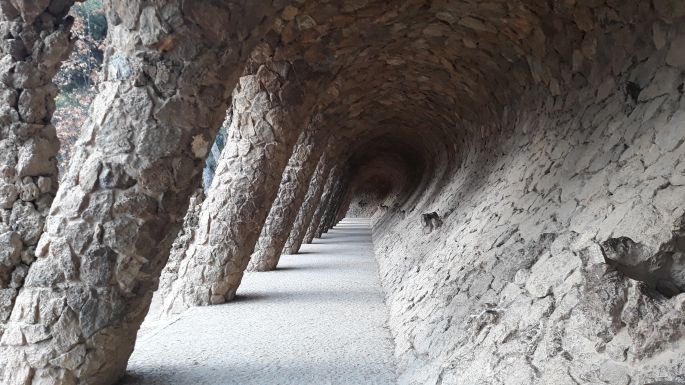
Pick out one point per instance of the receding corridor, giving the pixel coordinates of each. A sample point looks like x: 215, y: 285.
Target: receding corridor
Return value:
x: 318, y: 319
x: 521, y: 165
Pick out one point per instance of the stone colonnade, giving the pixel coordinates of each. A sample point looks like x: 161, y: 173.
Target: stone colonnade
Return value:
x: 169, y: 72
x: 324, y: 202
x: 309, y: 206
x: 270, y: 110
x: 531, y: 120
x: 291, y: 194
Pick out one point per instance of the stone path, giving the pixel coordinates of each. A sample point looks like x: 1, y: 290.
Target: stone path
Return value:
x: 319, y: 319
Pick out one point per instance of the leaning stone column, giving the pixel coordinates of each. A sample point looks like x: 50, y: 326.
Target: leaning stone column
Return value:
x: 35, y: 40
x: 345, y: 207
x: 291, y: 194
x: 182, y: 242
x: 311, y: 203
x: 340, y: 205
x: 323, y: 205
x: 168, y: 76
x: 191, y: 220
x: 269, y: 112
x: 340, y: 202
x: 332, y: 207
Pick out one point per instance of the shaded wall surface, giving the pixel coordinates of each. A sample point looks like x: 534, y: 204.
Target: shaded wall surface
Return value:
x: 554, y: 253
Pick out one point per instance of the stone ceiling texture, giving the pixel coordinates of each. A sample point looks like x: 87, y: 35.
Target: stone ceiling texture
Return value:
x: 523, y: 163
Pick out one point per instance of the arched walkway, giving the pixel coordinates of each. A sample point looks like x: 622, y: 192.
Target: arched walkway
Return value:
x: 319, y: 319
x: 522, y: 163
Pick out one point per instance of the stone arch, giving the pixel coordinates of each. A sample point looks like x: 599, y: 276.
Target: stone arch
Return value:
x: 537, y: 131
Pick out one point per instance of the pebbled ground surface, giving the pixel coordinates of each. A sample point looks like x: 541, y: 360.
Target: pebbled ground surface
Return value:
x: 319, y: 319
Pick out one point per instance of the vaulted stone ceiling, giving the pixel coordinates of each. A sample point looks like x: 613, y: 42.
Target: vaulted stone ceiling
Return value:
x: 533, y: 153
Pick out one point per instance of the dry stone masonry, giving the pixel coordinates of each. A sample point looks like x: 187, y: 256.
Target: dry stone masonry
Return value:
x: 269, y: 109
x: 324, y: 203
x: 309, y: 206
x: 522, y: 162
x: 36, y: 39
x: 557, y: 260
x: 291, y: 194
x: 119, y: 207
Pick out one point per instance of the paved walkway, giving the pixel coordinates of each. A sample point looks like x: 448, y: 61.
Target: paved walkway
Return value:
x: 319, y: 319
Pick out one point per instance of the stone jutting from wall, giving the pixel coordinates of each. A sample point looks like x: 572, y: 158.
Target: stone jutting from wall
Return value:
x: 35, y: 39
x: 309, y: 206
x: 291, y: 193
x: 518, y: 285
x: 169, y: 70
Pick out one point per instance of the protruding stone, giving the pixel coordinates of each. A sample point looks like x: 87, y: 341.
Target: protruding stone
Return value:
x: 30, y: 9
x: 676, y: 53
x: 10, y: 255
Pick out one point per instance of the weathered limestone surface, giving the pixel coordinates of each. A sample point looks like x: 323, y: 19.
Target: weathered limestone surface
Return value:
x: 169, y: 73
x: 34, y: 40
x: 514, y: 288
x: 309, y: 206
x: 294, y: 185
x: 269, y: 111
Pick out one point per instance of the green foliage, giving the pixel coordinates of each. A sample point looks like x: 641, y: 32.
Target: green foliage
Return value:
x: 213, y: 156
x: 79, y: 74
x: 94, y: 18
x: 90, y: 29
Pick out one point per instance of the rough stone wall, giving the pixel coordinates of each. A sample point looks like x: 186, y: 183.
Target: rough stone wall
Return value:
x: 367, y: 200
x: 527, y: 277
x: 35, y: 38
x: 377, y: 189
x: 364, y: 205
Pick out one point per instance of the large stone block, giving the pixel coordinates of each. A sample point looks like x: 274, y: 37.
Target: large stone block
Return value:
x: 10, y: 255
